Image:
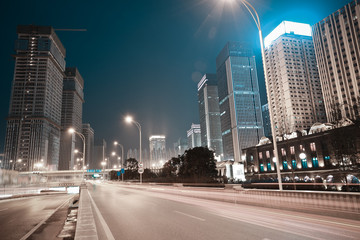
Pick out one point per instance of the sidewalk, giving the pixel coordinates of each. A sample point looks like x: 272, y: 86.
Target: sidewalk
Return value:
x: 85, y: 227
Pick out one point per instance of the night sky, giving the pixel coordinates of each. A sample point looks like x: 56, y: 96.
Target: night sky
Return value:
x: 145, y: 57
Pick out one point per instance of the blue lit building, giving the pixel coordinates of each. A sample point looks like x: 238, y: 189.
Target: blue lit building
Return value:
x: 266, y: 120
x: 239, y: 100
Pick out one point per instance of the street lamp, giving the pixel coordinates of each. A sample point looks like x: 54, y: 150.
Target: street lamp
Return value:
x: 122, y: 157
x: 256, y: 19
x: 129, y: 119
x: 72, y: 131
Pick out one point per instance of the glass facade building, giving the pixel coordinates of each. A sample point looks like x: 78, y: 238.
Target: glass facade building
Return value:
x: 209, y: 113
x: 239, y: 99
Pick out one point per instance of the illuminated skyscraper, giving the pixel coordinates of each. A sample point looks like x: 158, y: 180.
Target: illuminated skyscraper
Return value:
x: 157, y: 151
x: 293, y: 78
x: 239, y: 100
x: 337, y: 47
x: 88, y: 133
x: 34, y: 120
x: 194, y: 136
x: 209, y: 113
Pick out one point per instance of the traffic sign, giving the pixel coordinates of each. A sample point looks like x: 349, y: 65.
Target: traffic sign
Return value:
x: 118, y: 173
x: 141, y: 165
x: 141, y: 170
x: 122, y: 170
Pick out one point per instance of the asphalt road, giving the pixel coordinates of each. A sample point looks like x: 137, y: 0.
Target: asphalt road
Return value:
x: 19, y: 216
x: 138, y: 214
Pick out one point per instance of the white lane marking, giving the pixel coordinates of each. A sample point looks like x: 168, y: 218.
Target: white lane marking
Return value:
x: 43, y: 221
x: 106, y: 228
x: 4, y: 209
x: 191, y: 216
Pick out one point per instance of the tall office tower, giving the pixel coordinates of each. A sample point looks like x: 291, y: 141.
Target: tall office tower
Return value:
x: 194, y: 136
x: 99, y: 154
x: 88, y: 133
x: 239, y: 100
x: 337, y: 48
x: 293, y: 78
x: 71, y: 117
x: 157, y: 150
x: 34, y: 121
x: 266, y: 120
x: 209, y: 113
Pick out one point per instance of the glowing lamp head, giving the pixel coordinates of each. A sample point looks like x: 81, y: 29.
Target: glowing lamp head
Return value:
x: 76, y: 151
x: 103, y: 163
x: 128, y: 119
x: 71, y: 130
x: 115, y: 143
x: 113, y: 153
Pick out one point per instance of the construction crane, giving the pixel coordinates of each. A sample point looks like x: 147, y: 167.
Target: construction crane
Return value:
x: 71, y: 30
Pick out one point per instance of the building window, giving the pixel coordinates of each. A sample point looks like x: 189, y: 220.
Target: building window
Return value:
x: 261, y: 167
x: 293, y: 163
x: 283, y: 152
x: 313, y: 147
x: 267, y: 154
x: 260, y: 155
x: 315, y: 162
x: 304, y: 163
x: 285, y: 165
x: 292, y: 150
x: 269, y: 166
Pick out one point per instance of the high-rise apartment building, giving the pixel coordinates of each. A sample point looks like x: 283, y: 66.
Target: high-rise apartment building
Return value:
x: 337, y: 47
x: 266, y: 120
x: 157, y: 150
x: 194, y: 136
x: 293, y: 78
x: 34, y: 120
x: 239, y: 99
x: 71, y: 117
x: 88, y: 133
x: 209, y: 113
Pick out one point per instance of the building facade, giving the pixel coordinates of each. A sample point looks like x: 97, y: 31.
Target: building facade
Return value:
x: 88, y: 133
x: 194, y: 136
x: 323, y: 151
x: 337, y: 47
x: 209, y: 113
x: 180, y: 147
x: 34, y: 120
x: 158, y: 153
x: 293, y: 78
x: 71, y: 117
x: 100, y: 149
x: 239, y: 100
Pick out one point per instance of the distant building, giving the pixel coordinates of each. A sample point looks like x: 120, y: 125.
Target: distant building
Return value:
x: 71, y: 116
x: 88, y: 133
x: 157, y: 151
x: 293, y: 78
x: 180, y: 146
x: 266, y: 120
x: 239, y: 99
x: 100, y: 149
x: 209, y: 113
x: 194, y: 136
x: 336, y: 40
x: 34, y: 120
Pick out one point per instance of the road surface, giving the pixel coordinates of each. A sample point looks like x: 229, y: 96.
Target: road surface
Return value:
x: 138, y: 214
x: 19, y: 216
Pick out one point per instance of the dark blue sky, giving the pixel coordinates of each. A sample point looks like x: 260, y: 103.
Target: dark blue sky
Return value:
x: 145, y: 57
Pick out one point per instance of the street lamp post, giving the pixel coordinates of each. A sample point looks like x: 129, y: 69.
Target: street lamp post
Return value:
x: 256, y: 19
x: 72, y: 130
x: 129, y: 119
x: 122, y: 157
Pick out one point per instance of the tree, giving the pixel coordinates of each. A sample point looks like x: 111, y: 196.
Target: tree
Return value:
x: 198, y: 164
x: 171, y: 167
x: 131, y: 164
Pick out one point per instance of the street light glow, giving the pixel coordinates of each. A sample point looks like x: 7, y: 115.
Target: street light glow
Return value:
x: 128, y: 119
x: 71, y: 130
x: 113, y: 153
x: 115, y: 143
x: 76, y: 151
